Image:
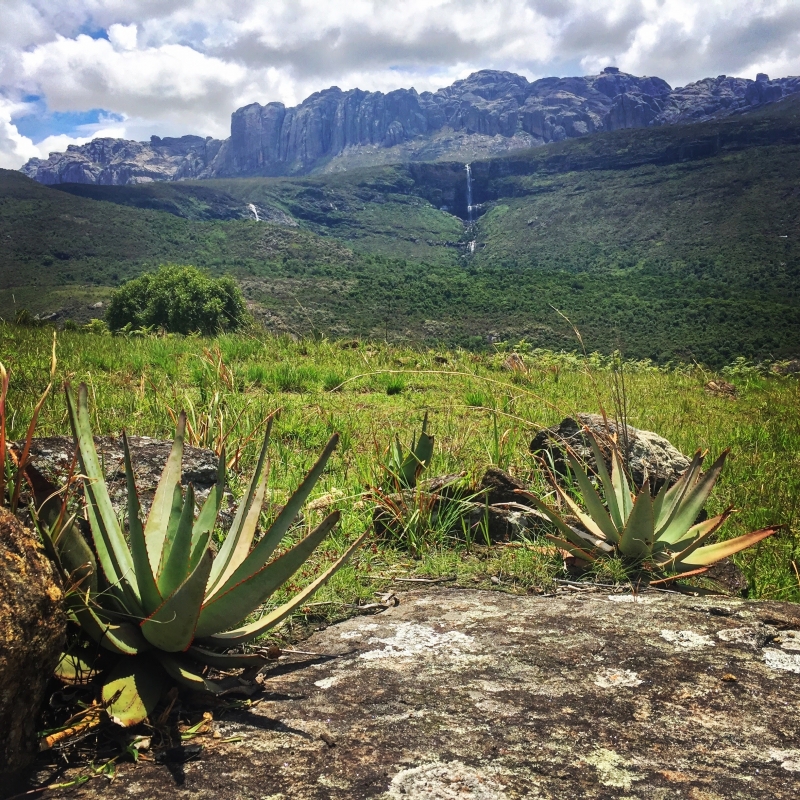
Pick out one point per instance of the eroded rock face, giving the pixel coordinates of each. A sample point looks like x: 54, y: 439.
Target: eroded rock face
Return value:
x: 115, y: 162
x: 647, y: 452
x: 32, y: 632
x: 468, y: 694
x: 485, y: 114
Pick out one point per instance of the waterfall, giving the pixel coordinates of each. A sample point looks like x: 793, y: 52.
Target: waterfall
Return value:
x: 472, y: 244
x: 253, y: 210
x: 469, y: 193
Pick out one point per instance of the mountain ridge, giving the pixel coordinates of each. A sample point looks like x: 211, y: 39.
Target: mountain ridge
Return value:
x: 489, y: 113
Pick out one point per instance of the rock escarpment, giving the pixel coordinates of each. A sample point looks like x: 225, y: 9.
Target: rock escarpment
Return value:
x: 117, y: 162
x: 488, y: 113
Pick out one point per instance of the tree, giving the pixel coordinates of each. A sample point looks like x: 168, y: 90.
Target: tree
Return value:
x: 180, y: 299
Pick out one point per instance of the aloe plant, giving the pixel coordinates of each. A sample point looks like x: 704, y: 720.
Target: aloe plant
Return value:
x: 404, y: 468
x: 658, y: 534
x: 162, y: 600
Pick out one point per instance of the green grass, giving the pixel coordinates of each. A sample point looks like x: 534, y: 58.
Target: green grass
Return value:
x: 134, y: 383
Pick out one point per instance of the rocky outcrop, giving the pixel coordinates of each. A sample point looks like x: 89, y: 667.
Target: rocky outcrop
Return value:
x: 491, y: 696
x: 116, y: 162
x: 648, y: 454
x: 32, y: 632
x: 485, y: 114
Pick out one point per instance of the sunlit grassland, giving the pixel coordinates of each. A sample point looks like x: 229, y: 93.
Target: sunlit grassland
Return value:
x: 480, y: 414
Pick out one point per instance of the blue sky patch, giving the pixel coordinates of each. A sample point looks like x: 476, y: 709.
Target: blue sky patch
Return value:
x: 41, y: 124
x: 90, y: 30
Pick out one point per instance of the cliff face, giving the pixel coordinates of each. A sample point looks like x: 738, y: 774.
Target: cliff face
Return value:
x: 114, y: 162
x: 487, y: 113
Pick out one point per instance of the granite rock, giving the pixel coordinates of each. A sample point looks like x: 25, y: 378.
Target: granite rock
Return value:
x: 52, y: 456
x: 487, y: 695
x: 647, y: 452
x: 32, y: 635
x: 116, y: 162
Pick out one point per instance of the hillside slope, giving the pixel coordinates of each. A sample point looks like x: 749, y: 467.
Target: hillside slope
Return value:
x: 670, y: 243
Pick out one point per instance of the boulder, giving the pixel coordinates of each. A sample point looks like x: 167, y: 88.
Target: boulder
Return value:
x: 51, y: 457
x: 493, y: 696
x: 647, y: 454
x: 32, y: 635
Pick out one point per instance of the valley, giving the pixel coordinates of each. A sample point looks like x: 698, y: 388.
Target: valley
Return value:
x: 675, y: 243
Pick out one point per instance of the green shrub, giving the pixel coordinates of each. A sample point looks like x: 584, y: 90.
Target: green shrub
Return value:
x: 179, y: 300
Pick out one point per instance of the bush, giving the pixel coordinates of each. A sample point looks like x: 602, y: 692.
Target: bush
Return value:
x: 179, y: 300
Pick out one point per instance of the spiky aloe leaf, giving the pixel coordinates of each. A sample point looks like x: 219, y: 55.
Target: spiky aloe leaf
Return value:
x: 121, y: 638
x: 691, y: 504
x: 260, y: 554
x: 698, y: 534
x: 155, y: 530
x: 175, y: 567
x: 658, y: 505
x: 418, y: 457
x: 207, y: 518
x: 577, y: 552
x: 187, y: 673
x: 172, y: 626
x: 577, y: 538
x: 132, y: 690
x: 112, y: 550
x: 669, y: 498
x: 637, y: 539
x: 151, y: 598
x: 619, y: 481
x: 225, y: 660
x: 74, y: 669
x: 74, y: 555
x: 247, y: 633
x: 198, y: 550
x: 230, y: 550
x: 175, y: 513
x: 712, y: 553
x: 594, y: 505
x: 232, y: 606
x: 585, y: 520
x: 243, y: 535
x: 614, y: 509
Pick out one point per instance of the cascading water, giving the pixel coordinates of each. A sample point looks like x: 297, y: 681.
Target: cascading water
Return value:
x: 254, y: 211
x: 469, y: 193
x: 470, y: 223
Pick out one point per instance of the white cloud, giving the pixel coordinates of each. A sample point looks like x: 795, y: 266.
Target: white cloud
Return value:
x: 15, y: 149
x: 182, y: 66
x: 123, y: 37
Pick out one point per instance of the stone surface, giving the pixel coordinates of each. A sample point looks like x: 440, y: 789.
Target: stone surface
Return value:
x: 32, y: 633
x: 488, y: 113
x: 500, y: 487
x: 112, y: 162
x: 469, y: 694
x: 52, y: 458
x: 648, y: 453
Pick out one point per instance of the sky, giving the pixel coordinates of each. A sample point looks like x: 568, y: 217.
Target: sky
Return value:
x: 72, y: 71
